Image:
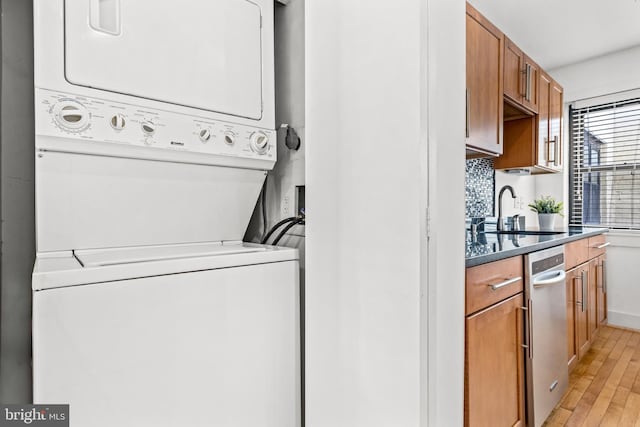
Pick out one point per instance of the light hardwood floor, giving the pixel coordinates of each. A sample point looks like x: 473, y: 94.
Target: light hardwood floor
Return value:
x: 604, y: 388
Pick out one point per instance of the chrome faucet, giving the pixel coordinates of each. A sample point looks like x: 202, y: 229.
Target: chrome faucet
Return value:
x: 500, y: 224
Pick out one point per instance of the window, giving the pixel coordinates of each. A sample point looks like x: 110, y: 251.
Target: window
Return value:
x: 604, y: 178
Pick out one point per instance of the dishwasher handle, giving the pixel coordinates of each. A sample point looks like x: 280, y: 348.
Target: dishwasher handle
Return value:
x: 550, y: 279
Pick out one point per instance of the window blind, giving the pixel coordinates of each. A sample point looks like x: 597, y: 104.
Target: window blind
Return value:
x: 604, y: 175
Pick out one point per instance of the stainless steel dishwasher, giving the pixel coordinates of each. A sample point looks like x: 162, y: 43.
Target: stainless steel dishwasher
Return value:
x: 546, y: 332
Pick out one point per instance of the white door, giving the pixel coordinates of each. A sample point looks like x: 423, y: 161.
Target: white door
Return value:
x: 212, y: 348
x: 205, y: 54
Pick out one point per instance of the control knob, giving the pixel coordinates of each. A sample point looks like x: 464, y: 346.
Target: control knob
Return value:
x: 205, y: 135
x: 229, y: 138
x: 118, y: 121
x: 259, y: 142
x: 72, y: 116
x: 148, y: 128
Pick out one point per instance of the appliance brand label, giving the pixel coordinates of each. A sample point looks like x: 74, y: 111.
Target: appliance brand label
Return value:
x: 181, y: 144
x: 34, y: 415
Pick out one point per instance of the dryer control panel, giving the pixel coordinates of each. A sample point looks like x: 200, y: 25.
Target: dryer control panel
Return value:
x: 102, y: 122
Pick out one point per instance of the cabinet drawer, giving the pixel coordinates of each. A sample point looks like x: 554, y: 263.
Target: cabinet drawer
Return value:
x: 575, y: 253
x: 597, y: 245
x: 489, y: 283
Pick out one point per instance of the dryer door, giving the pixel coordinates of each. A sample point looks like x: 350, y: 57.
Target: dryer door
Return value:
x: 205, y: 54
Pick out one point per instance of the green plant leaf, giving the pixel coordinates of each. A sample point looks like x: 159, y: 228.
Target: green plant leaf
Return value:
x: 546, y: 205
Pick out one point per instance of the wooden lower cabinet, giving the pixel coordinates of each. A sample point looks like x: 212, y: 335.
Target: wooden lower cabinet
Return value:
x: 578, y: 335
x: 592, y: 298
x: 581, y: 289
x: 572, y: 350
x: 601, y: 290
x: 586, y: 306
x: 494, y: 383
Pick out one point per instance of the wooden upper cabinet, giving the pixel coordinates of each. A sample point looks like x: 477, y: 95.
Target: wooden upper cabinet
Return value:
x: 521, y: 76
x: 485, y: 48
x: 534, y: 141
x: 513, y: 66
x: 544, y: 152
x: 532, y: 79
x: 550, y: 124
x: 555, y: 122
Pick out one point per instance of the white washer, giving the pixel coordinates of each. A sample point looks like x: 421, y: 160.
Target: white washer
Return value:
x: 183, y: 335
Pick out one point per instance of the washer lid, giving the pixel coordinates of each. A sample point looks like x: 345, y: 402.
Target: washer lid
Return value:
x: 114, y: 256
x: 86, y: 267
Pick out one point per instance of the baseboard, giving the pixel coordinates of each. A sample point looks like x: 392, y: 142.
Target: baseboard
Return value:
x: 625, y: 320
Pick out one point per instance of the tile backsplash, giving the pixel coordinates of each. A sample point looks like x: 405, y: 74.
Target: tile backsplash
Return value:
x: 479, y: 185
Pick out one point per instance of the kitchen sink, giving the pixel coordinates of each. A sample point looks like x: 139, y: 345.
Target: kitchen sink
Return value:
x: 524, y: 232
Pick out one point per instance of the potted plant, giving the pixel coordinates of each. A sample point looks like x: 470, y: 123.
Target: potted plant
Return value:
x: 547, y: 207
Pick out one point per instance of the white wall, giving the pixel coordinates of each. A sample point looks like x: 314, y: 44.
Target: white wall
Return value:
x: 607, y: 74
x: 622, y: 270
x: 613, y: 73
x: 377, y: 337
x: 443, y: 325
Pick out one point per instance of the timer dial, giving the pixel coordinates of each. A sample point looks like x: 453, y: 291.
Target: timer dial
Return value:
x: 71, y: 116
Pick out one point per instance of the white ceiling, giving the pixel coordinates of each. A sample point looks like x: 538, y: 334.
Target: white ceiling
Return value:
x: 561, y: 32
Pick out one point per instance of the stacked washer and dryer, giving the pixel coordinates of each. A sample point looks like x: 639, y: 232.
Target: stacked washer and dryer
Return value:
x: 154, y: 134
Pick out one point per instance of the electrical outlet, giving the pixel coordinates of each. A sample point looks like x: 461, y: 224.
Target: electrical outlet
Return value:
x: 518, y: 203
x: 286, y: 206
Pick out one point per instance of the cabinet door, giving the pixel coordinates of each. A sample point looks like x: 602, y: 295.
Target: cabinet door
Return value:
x: 543, y: 120
x: 494, y: 380
x: 555, y: 124
x: 513, y: 71
x: 531, y: 73
x: 572, y: 353
x: 521, y: 76
x: 484, y: 84
x: 581, y: 281
x: 601, y: 292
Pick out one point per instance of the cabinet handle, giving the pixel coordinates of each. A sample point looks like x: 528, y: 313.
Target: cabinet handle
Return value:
x: 527, y: 331
x: 584, y: 285
x: 602, y: 246
x: 529, y: 323
x: 556, y: 151
x: 582, y: 291
x: 468, y: 106
x: 508, y: 282
x: 604, y: 277
x: 527, y: 90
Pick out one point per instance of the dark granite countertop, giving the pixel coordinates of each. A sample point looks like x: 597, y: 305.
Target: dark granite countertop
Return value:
x: 493, y: 247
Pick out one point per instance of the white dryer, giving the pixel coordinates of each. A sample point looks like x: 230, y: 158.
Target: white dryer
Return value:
x: 208, y: 58
x: 154, y: 133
